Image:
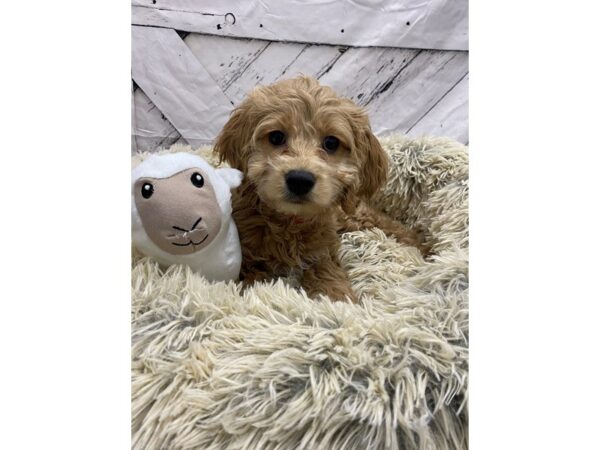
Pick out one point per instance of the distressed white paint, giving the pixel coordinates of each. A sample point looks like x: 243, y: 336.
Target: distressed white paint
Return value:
x: 266, y: 69
x: 449, y: 117
x: 314, y: 60
x: 416, y: 89
x: 224, y: 59
x: 171, y: 76
x: 433, y: 24
x: 150, y: 128
x: 406, y: 90
x: 363, y: 73
x: 238, y: 65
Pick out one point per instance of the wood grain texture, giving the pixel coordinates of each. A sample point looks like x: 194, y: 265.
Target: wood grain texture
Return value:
x: 448, y: 117
x: 224, y: 59
x: 404, y: 90
x: 416, y: 89
x: 384, y: 23
x: 267, y: 68
x: 150, y: 128
x: 171, y: 76
x: 362, y: 74
x: 314, y: 60
x: 239, y: 65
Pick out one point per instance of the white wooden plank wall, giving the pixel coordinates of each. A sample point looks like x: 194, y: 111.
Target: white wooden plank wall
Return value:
x: 185, y: 88
x: 441, y: 25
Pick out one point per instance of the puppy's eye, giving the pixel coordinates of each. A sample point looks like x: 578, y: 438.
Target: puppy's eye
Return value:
x: 331, y: 144
x: 197, y: 180
x: 147, y: 190
x: 277, y: 137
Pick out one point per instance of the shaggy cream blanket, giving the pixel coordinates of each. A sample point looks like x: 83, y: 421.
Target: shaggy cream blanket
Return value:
x: 272, y: 369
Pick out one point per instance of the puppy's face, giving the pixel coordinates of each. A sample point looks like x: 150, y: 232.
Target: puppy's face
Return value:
x: 305, y: 149
x: 301, y: 159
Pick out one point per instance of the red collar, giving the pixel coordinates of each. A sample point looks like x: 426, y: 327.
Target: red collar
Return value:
x: 297, y: 220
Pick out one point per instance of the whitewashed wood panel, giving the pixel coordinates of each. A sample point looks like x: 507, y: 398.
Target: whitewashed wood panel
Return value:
x: 314, y: 60
x: 434, y: 24
x: 171, y: 76
x: 238, y: 65
x: 224, y: 59
x: 362, y: 74
x: 406, y: 90
x: 449, y: 117
x: 266, y: 69
x: 150, y: 128
x: 416, y: 89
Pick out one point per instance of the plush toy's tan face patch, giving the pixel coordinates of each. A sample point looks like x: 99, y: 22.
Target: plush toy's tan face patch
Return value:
x: 180, y: 214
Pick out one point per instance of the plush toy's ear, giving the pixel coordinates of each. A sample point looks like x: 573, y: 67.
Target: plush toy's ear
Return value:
x: 232, y: 177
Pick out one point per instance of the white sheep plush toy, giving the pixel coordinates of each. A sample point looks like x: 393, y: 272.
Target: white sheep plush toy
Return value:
x: 181, y: 214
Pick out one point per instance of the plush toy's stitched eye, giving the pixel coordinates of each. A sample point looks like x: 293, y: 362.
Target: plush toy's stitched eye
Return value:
x: 331, y: 144
x: 197, y: 180
x: 277, y: 137
x: 147, y: 190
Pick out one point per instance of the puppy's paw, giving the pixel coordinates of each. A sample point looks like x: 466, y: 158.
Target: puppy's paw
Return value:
x: 422, y: 243
x: 414, y: 238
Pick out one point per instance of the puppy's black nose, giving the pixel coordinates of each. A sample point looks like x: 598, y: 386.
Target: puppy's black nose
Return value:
x: 299, y: 182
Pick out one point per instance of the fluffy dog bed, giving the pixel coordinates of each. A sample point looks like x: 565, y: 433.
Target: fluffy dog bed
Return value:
x: 272, y: 369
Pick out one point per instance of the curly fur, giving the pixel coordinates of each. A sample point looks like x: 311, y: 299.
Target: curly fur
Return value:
x: 280, y: 235
x: 215, y: 368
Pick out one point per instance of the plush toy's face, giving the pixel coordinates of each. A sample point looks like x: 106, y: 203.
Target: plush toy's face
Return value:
x: 180, y: 213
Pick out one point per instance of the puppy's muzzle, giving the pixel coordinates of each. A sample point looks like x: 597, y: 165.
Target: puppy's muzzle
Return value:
x: 299, y: 182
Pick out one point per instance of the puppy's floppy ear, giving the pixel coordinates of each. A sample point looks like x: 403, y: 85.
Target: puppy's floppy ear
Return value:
x: 375, y: 163
x: 349, y: 200
x: 232, y: 144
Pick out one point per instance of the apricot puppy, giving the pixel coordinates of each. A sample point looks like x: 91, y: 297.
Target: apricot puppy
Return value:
x: 310, y: 164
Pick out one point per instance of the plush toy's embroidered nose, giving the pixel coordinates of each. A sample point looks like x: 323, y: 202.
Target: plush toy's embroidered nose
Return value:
x: 299, y: 182
x: 191, y: 229
x: 188, y: 237
x: 194, y: 236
